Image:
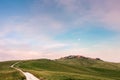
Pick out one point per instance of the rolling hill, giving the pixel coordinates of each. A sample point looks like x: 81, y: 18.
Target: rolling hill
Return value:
x: 67, y: 68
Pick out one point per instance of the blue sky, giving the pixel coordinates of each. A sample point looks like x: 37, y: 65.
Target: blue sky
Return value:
x: 31, y: 29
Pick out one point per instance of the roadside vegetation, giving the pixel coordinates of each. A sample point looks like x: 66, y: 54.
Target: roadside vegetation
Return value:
x: 8, y: 73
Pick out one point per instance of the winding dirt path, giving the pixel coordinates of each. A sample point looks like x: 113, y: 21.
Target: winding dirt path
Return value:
x: 28, y: 75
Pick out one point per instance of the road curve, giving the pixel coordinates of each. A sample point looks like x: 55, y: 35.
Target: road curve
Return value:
x: 28, y: 75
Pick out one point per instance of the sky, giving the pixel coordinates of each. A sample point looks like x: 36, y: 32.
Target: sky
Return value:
x: 33, y: 29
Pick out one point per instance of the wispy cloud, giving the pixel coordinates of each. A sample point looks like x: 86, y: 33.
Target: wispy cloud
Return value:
x: 103, y: 11
x: 34, y: 35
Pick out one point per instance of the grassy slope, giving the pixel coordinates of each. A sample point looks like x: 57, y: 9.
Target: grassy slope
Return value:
x: 72, y: 69
x: 62, y: 69
x: 7, y: 73
x: 95, y: 67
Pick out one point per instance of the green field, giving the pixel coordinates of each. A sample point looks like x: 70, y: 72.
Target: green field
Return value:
x: 8, y: 73
x: 63, y: 69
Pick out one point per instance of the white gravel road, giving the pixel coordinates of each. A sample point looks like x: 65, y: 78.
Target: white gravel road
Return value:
x: 28, y: 75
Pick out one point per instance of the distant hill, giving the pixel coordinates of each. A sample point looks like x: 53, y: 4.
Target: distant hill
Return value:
x: 73, y: 67
x: 78, y: 57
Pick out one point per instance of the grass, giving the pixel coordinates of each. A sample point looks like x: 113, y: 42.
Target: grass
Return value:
x: 72, y: 69
x: 62, y: 69
x: 7, y: 73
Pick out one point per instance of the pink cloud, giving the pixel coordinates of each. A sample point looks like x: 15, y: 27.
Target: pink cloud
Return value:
x: 103, y: 11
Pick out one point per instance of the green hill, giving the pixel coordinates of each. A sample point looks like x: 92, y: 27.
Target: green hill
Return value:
x: 72, y: 68
x: 67, y: 68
